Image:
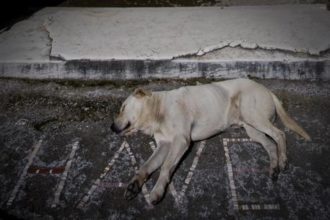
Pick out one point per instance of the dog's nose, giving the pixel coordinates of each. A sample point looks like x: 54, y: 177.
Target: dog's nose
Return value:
x: 114, y: 128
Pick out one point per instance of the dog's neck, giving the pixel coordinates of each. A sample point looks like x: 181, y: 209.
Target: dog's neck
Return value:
x: 152, y: 115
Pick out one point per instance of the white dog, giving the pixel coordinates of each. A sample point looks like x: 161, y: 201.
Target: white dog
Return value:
x: 192, y: 113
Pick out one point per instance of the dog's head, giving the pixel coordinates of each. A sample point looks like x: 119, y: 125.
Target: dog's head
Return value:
x: 129, y: 117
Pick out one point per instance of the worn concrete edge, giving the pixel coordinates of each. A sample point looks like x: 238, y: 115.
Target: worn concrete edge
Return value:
x: 163, y: 69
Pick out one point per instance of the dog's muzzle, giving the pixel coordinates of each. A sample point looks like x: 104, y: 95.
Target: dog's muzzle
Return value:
x: 118, y: 130
x: 115, y: 128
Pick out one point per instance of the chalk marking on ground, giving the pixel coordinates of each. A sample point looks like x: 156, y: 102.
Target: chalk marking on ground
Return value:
x: 97, y: 182
x: 64, y: 176
x: 32, y: 155
x: 179, y: 195
x: 134, y: 163
x: 232, y: 186
x: 192, y: 169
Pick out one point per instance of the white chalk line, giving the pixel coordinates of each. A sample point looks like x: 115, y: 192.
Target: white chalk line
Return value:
x: 179, y: 195
x: 246, y: 207
x: 97, y: 182
x: 192, y: 169
x: 64, y: 176
x: 230, y: 175
x: 232, y: 186
x: 34, y: 152
x: 134, y: 163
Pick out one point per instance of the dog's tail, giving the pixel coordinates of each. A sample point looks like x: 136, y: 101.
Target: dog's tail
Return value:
x: 287, y: 121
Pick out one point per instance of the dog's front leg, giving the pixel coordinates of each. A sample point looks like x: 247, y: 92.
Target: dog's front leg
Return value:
x: 153, y: 163
x: 177, y: 150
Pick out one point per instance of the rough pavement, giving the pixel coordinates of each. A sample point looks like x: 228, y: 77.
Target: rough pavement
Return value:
x: 59, y: 158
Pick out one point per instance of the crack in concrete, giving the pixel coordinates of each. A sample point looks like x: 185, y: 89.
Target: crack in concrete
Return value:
x: 4, y: 29
x: 48, y: 22
x: 252, y: 47
x: 202, y: 51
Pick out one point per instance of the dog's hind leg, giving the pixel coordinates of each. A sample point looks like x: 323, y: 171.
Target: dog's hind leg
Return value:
x: 177, y: 150
x: 153, y: 163
x: 256, y: 109
x: 269, y: 146
x: 276, y: 134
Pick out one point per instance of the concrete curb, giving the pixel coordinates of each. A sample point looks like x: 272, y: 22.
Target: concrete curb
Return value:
x: 163, y: 69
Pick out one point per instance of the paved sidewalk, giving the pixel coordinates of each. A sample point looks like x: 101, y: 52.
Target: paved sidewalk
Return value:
x: 284, y: 41
x: 60, y: 160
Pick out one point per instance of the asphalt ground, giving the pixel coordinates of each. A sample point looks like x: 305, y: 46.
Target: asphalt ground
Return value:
x: 60, y: 160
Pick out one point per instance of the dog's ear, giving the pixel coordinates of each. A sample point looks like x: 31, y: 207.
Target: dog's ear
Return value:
x: 139, y: 93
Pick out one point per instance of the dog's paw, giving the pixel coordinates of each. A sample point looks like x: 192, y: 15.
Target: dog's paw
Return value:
x: 283, y: 163
x: 132, y: 190
x: 154, y: 198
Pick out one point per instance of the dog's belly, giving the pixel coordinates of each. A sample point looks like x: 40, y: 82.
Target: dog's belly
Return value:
x: 208, y: 107
x: 203, y: 131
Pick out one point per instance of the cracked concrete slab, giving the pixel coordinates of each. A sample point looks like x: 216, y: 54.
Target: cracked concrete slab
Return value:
x: 284, y: 41
x: 28, y: 40
x: 247, y: 54
x: 165, y: 33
